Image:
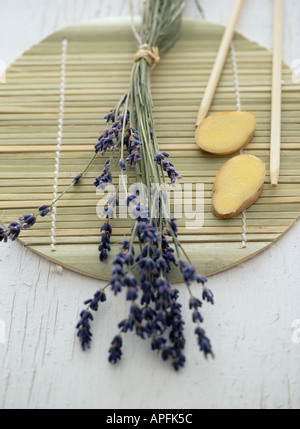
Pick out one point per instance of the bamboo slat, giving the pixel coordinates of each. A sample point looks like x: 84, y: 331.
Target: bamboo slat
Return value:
x: 98, y: 69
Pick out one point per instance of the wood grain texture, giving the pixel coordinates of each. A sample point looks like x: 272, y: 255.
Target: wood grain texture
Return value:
x: 41, y: 364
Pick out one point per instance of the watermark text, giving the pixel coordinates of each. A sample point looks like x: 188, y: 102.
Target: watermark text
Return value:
x: 2, y: 332
x: 296, y: 331
x: 178, y: 201
x: 2, y: 71
x: 296, y: 71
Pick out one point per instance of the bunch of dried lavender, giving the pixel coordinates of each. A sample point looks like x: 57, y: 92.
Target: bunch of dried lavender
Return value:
x: 143, y: 265
x: 144, y: 262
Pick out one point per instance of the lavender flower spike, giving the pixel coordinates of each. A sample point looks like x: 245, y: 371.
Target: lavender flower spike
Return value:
x: 84, y: 329
x: 104, y: 247
x: 105, y: 178
x: 115, y: 351
x: 204, y: 342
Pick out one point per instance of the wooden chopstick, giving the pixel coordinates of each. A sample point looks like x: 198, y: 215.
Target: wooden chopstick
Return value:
x: 219, y: 63
x: 276, y: 93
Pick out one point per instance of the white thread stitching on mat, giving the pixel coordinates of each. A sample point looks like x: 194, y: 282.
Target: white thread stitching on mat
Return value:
x: 239, y: 108
x: 59, y: 139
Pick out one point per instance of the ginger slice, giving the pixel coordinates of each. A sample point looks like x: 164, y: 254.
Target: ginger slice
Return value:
x: 225, y: 133
x: 238, y: 185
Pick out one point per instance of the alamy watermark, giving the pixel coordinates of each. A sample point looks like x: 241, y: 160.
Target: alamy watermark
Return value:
x: 168, y: 201
x: 296, y: 331
x: 296, y: 71
x: 2, y: 332
x: 2, y: 71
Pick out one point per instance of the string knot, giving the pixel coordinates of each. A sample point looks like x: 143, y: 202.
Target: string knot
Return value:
x: 151, y: 55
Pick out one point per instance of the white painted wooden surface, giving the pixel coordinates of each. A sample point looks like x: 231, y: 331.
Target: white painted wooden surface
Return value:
x: 257, y: 364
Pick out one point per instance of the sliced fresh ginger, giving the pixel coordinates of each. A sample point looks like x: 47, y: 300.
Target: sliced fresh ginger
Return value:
x: 225, y: 133
x: 238, y: 185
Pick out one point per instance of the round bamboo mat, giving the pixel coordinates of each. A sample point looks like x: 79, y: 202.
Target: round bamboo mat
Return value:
x: 98, y: 66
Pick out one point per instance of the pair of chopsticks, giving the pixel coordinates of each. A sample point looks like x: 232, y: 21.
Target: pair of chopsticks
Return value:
x: 276, y: 80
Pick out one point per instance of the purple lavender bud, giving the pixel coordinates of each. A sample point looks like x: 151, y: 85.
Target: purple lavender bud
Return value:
x: 122, y: 164
x: 129, y: 199
x: 126, y: 325
x: 106, y: 228
x: 201, y: 279
x: 44, y: 210
x: 119, y: 259
x: 178, y: 361
x: 131, y: 294
x: 98, y: 297
x: 28, y: 220
x: 108, y: 212
x: 146, y: 298
x: 85, y: 314
x: 98, y: 147
x: 14, y: 231
x: 195, y: 303
x: 110, y: 117
x: 105, y: 178
x: 77, y: 179
x: 103, y: 255
x: 85, y: 337
x: 208, y: 295
x: 116, y: 288
x: 158, y: 343
x: 197, y: 317
x: 125, y: 245
x: 129, y: 259
x: 136, y: 313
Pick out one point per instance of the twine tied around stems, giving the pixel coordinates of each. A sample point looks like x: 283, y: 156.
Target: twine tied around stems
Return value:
x: 151, y: 55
